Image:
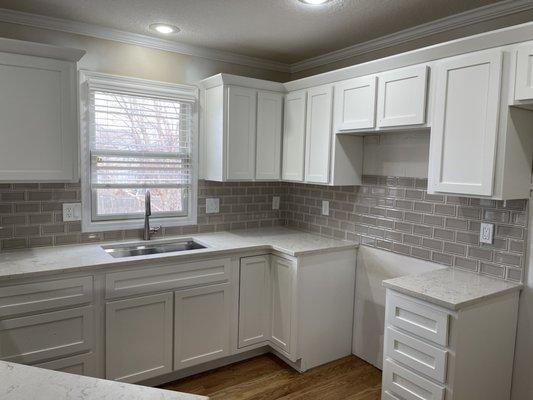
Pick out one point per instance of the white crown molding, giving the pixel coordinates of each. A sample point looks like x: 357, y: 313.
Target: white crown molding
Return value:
x: 464, y: 19
x: 101, y: 32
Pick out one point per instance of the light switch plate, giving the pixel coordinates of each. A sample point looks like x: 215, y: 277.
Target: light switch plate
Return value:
x: 71, y: 212
x: 275, y: 203
x: 212, y: 205
x: 486, y: 233
x: 325, y: 207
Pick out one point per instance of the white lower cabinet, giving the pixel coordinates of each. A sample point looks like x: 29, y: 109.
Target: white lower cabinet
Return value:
x: 81, y: 364
x: 432, y: 353
x: 282, y: 302
x: 139, y: 337
x: 202, y: 324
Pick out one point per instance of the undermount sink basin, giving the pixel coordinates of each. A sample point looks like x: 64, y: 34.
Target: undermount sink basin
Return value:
x: 139, y: 249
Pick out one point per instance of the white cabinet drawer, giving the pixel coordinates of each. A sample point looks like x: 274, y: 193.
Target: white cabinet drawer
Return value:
x: 140, y: 281
x: 43, y: 336
x: 401, y: 382
x: 38, y: 296
x: 414, y: 353
x: 416, y: 318
x: 80, y: 364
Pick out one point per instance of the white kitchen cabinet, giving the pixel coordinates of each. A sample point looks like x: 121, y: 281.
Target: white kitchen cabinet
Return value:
x: 524, y: 73
x: 282, y: 293
x: 240, y: 146
x: 465, y: 124
x: 318, y: 134
x: 434, y: 353
x: 294, y: 136
x: 240, y: 128
x: 139, y: 337
x: 355, y: 104
x: 202, y: 324
x: 268, y: 149
x: 254, y: 300
x: 39, y: 115
x: 80, y: 364
x: 402, y: 97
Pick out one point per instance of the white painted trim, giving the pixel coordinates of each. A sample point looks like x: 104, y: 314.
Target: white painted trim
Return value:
x: 456, y: 21
x: 235, y: 80
x: 40, y: 50
x: 137, y: 85
x: 102, y: 32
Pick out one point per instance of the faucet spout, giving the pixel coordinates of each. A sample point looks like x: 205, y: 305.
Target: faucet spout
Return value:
x: 147, y: 232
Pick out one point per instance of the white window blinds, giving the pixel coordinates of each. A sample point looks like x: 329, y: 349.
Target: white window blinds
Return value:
x: 139, y: 143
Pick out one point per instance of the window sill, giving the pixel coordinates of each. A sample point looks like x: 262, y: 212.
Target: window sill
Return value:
x: 122, y: 225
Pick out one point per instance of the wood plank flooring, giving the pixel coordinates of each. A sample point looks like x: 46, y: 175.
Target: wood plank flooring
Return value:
x: 266, y: 378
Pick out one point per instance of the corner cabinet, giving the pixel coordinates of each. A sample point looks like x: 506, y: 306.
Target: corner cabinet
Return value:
x: 241, y: 124
x: 38, y: 111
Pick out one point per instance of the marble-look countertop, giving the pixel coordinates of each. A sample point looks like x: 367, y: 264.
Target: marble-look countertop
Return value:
x: 47, y: 260
x: 450, y: 288
x: 22, y: 382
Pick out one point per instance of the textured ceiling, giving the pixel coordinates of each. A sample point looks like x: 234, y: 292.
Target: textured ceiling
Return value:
x: 279, y: 30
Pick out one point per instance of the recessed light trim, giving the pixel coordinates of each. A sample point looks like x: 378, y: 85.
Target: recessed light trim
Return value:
x: 165, y: 29
x: 314, y: 2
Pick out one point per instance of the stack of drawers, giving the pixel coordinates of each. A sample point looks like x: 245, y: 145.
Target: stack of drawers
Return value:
x: 415, y: 350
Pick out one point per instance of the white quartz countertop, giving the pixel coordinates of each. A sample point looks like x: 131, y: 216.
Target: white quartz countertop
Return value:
x: 449, y: 288
x: 46, y: 260
x: 22, y: 382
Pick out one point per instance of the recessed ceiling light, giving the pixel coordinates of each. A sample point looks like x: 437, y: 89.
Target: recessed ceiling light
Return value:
x: 165, y: 29
x: 314, y: 2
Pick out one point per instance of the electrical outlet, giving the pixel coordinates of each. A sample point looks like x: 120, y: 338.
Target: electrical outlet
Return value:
x: 275, y: 203
x: 71, y: 212
x: 325, y: 207
x: 212, y: 205
x: 486, y: 232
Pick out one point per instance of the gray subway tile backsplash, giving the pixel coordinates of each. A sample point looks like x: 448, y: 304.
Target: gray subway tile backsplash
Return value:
x: 391, y: 213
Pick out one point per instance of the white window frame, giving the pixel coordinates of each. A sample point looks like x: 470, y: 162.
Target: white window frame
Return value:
x: 140, y: 87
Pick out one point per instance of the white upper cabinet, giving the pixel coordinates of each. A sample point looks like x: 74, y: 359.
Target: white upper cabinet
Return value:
x: 38, y: 111
x: 318, y: 134
x: 355, y: 104
x: 402, y: 97
x: 524, y: 73
x: 240, y: 147
x: 465, y: 124
x: 294, y: 136
x: 240, y: 137
x: 268, y: 151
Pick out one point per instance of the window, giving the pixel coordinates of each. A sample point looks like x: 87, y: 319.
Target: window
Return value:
x: 138, y: 136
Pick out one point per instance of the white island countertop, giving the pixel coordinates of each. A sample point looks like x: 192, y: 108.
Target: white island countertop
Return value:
x: 49, y: 260
x: 22, y: 382
x: 450, y: 288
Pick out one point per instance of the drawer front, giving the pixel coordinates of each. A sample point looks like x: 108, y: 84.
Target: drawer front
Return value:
x: 80, y: 364
x: 43, y: 336
x: 416, y: 318
x: 38, y: 296
x: 414, y: 353
x: 154, y: 279
x: 402, y: 383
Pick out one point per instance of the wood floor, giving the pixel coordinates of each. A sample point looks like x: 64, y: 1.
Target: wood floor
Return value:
x: 266, y: 377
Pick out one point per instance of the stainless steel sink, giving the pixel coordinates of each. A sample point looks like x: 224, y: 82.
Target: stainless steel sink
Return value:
x: 140, y: 249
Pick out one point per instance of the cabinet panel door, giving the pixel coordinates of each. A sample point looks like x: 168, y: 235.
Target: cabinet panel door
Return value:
x: 139, y: 337
x: 254, y: 300
x: 81, y: 364
x: 282, y: 302
x: 294, y: 136
x: 240, y: 145
x: 524, y: 73
x: 35, y: 338
x: 402, y: 97
x: 318, y: 134
x: 38, y: 114
x: 465, y: 124
x: 201, y: 325
x: 268, y: 152
x: 355, y: 104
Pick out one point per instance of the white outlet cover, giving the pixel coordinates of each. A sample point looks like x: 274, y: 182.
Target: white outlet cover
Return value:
x: 71, y: 212
x: 325, y: 207
x: 486, y: 233
x: 275, y: 203
x: 212, y: 205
